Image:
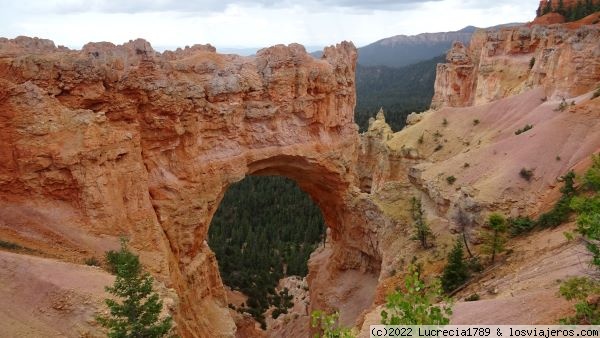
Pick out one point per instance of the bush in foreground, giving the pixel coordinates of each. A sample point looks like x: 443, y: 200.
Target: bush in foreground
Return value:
x: 137, y: 312
x: 417, y: 304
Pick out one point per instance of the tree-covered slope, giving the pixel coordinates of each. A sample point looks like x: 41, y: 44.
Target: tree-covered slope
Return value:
x: 265, y: 229
x: 399, y: 91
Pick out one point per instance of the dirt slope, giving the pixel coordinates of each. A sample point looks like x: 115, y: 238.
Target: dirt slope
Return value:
x: 42, y: 297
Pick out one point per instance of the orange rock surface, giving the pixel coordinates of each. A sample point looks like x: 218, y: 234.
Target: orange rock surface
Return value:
x: 563, y: 59
x: 122, y: 140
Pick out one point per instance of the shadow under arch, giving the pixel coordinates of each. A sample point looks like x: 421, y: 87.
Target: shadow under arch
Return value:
x: 325, y: 187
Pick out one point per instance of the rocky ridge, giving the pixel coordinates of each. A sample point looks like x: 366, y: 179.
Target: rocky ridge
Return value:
x: 564, y: 61
x: 484, y: 95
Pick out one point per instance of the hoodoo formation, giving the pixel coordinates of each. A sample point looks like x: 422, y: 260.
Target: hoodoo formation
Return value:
x: 112, y: 141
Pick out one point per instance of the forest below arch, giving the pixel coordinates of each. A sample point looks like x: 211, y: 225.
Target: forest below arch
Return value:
x: 264, y: 229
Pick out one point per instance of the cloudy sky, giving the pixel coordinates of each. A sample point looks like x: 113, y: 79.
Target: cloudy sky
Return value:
x: 248, y: 23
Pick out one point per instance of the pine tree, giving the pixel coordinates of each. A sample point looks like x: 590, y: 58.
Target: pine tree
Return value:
x: 547, y: 8
x: 579, y: 11
x: 587, y: 207
x: 561, y: 7
x: 422, y: 230
x: 495, y: 239
x: 137, y: 315
x: 589, y: 7
x: 456, y: 271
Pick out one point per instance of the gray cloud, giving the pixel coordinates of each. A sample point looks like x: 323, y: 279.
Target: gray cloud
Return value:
x: 211, y: 6
x: 375, y: 4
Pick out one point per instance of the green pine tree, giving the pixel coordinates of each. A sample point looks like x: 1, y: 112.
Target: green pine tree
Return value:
x: 561, y: 7
x: 456, y: 271
x: 422, y: 230
x: 587, y: 207
x: 136, y: 315
x: 547, y: 8
x: 495, y: 238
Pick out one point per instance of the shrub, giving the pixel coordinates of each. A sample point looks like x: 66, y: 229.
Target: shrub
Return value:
x: 438, y: 147
x: 445, y: 122
x: 282, y: 301
x: 473, y: 298
x: 456, y: 272
x: 10, y: 245
x: 562, y: 209
x: 520, y: 225
x: 531, y: 62
x: 474, y: 264
x: 475, y: 122
x: 558, y: 158
x: 138, y: 313
x: 416, y: 305
x: 92, y: 261
x: 450, y: 179
x: 526, y: 174
x: 586, y: 312
x: 568, y: 187
x: 421, y: 139
x: 591, y: 178
x: 328, y: 325
x: 524, y: 129
x: 562, y: 105
x: 466, y: 165
x: 588, y: 222
x: 15, y: 247
x: 557, y: 216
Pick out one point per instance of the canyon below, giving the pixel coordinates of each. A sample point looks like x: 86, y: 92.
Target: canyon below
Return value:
x: 121, y: 140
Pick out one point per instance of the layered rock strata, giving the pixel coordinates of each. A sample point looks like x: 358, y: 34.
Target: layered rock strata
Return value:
x: 128, y: 141
x: 510, y: 61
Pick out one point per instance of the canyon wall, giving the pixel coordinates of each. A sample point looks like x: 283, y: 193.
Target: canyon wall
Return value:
x: 565, y: 61
x: 463, y: 159
x: 123, y: 141
x: 117, y: 141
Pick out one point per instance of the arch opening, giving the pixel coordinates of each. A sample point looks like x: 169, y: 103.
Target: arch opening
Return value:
x: 263, y: 234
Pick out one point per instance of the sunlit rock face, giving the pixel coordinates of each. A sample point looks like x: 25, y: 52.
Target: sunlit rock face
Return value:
x: 122, y: 140
x: 563, y: 59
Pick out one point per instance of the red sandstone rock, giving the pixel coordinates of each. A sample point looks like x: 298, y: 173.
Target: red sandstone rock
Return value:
x: 548, y: 19
x: 128, y: 141
x: 566, y: 63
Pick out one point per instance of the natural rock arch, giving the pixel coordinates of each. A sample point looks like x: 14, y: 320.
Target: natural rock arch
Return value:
x: 145, y: 144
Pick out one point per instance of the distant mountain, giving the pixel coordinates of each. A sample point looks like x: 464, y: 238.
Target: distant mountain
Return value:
x: 399, y: 91
x: 402, y: 50
x: 239, y: 51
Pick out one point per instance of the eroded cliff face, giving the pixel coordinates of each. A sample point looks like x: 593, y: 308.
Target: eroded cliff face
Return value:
x: 484, y: 94
x: 122, y: 140
x: 563, y: 59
